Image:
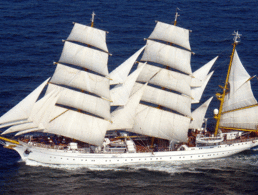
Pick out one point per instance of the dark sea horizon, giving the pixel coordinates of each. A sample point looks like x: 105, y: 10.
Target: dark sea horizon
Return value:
x: 31, y: 40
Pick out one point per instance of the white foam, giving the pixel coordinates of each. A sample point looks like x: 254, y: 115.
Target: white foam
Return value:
x: 168, y: 167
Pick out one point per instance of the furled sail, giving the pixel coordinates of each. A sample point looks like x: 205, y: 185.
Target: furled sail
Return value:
x: 172, y: 34
x: 198, y: 115
x: 119, y: 75
x: 240, y: 108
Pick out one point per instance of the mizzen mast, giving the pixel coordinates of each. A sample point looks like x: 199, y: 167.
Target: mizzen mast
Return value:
x: 220, y: 96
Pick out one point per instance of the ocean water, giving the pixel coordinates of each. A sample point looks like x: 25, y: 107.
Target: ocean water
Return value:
x: 31, y: 40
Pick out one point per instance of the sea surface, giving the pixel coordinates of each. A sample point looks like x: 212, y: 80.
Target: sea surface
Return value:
x: 31, y: 34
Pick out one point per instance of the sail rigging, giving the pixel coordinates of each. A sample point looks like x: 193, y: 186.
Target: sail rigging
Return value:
x: 162, y: 123
x: 165, y: 108
x: 77, y: 99
x: 238, y: 109
x: 77, y: 103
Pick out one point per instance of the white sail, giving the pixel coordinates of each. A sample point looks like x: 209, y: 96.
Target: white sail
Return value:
x: 78, y: 79
x: 88, y: 35
x: 22, y: 110
x: 18, y: 127
x: 240, y: 94
x: 21, y: 127
x: 13, y: 123
x: 238, y: 75
x: 176, y: 102
x: 120, y: 93
x: 241, y: 98
x: 172, y: 34
x: 198, y: 91
x: 85, y: 57
x: 161, y: 124
x: 79, y: 126
x: 167, y: 55
x: 28, y: 131
x: 198, y: 115
x: 39, y: 114
x: 119, y: 75
x: 123, y: 117
x: 201, y: 74
x: 240, y: 108
x: 82, y: 101
x: 243, y: 119
x: 165, y: 78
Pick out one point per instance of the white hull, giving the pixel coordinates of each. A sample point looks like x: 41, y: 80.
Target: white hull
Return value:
x: 73, y: 157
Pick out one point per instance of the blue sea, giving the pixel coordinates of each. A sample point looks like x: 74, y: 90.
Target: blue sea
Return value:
x: 31, y: 33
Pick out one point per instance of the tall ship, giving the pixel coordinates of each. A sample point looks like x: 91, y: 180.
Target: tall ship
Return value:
x: 84, y: 115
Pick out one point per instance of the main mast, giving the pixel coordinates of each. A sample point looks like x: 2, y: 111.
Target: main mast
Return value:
x: 220, y: 96
x: 167, y: 67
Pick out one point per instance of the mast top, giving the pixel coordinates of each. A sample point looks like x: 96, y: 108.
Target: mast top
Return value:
x: 176, y: 16
x: 92, y: 19
x: 236, y: 37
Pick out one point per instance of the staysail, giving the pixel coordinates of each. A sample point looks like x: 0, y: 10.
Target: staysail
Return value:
x: 198, y: 115
x: 119, y: 75
x: 21, y: 112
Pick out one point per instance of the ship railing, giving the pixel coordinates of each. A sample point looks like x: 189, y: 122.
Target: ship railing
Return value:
x: 115, y: 150
x: 241, y: 139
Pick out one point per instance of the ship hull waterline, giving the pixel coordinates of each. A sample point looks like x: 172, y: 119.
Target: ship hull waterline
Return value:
x: 73, y: 157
